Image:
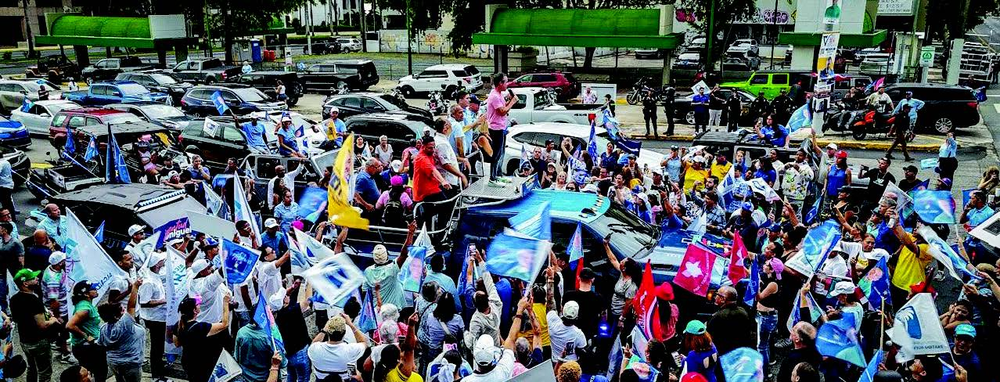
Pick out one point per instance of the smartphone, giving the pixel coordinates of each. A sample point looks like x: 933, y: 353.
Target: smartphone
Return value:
x: 352, y: 368
x: 472, y: 248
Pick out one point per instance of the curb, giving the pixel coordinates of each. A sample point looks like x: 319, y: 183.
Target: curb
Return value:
x: 881, y: 146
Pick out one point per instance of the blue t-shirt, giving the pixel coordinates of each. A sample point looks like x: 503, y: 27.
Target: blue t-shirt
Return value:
x: 277, y: 241
x: 341, y: 128
x: 775, y: 134
x: 367, y: 188
x: 289, y: 137
x: 769, y: 176
x: 978, y: 216
x: 700, y: 103
x: 695, y: 362
x: 255, y: 135
x: 387, y: 177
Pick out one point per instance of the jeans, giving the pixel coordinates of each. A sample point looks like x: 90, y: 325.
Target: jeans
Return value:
x: 94, y: 358
x: 39, y: 357
x: 299, y: 367
x: 129, y: 372
x: 766, y: 325
x: 157, y: 337
x: 700, y: 120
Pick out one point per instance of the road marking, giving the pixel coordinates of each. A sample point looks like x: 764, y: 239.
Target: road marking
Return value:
x: 997, y: 107
x: 41, y: 165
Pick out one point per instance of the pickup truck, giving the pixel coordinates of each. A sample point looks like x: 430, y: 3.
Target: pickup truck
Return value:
x: 538, y: 105
x: 115, y: 92
x: 206, y: 71
x: 109, y: 68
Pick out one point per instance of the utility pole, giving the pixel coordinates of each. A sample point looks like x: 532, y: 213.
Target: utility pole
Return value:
x: 27, y: 30
x: 364, y: 27
x: 710, y: 37
x: 409, y: 41
x: 774, y: 24
x: 309, y: 22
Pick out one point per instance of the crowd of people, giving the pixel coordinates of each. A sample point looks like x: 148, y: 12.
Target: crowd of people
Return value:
x: 581, y: 319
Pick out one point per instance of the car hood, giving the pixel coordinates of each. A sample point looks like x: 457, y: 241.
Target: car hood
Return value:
x: 406, y: 78
x: 146, y: 97
x: 10, y: 126
x: 732, y: 84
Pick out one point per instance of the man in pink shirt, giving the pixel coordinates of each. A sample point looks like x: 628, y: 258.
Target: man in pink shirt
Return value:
x: 496, y: 116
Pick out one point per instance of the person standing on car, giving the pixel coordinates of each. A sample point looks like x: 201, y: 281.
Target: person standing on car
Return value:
x: 699, y: 104
x: 497, y: 107
x: 780, y: 107
x: 915, y: 105
x: 43, y: 93
x: 669, y: 92
x: 734, y: 109
x: 649, y: 111
x: 715, y: 105
x: 901, y: 128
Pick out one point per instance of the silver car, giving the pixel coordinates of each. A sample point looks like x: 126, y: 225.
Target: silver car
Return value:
x: 38, y: 117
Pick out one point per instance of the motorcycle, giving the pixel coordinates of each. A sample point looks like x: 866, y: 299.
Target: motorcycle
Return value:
x: 435, y: 102
x: 839, y: 117
x: 398, y: 94
x: 634, y: 96
x: 873, y: 122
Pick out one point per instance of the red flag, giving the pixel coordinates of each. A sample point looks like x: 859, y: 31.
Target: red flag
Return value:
x: 644, y: 304
x: 737, y: 255
x: 695, y: 273
x: 579, y: 268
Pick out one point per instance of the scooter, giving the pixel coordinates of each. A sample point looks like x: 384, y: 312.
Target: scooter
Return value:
x: 398, y: 94
x: 873, y: 122
x: 840, y: 118
x: 435, y: 102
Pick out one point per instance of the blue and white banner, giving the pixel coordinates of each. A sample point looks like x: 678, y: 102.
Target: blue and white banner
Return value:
x: 945, y: 255
x: 839, y: 339
x: 917, y: 329
x: 173, y: 229
x: 334, y: 277
x: 800, y: 118
x: 513, y: 255
x: 534, y: 222
x: 816, y: 245
x: 742, y: 365
x: 241, y: 208
x: 226, y: 369
x: 210, y: 128
x: 81, y: 248
x: 220, y: 104
x: 91, y: 150
x: 239, y: 261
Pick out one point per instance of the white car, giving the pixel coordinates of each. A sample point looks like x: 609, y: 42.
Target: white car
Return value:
x: 14, y: 92
x: 876, y: 64
x: 38, y: 118
x: 748, y: 45
x: 530, y: 136
x: 441, y: 77
x: 349, y: 44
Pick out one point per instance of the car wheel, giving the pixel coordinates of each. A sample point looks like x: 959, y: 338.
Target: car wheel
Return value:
x: 407, y: 91
x: 511, y: 167
x: 341, y: 87
x: 944, y: 125
x: 689, y: 117
x: 291, y: 101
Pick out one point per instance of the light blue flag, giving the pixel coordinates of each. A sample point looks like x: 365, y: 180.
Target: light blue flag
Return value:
x: 367, y: 320
x: 239, y: 262
x: 934, y: 207
x: 411, y: 274
x: 742, y: 365
x: 592, y: 142
x: 312, y: 199
x: 816, y: 245
x: 534, y: 222
x: 99, y: 233
x: 575, y: 248
x: 70, y: 146
x: 800, y: 118
x: 754, y: 285
x: 875, y: 285
x: 241, y: 208
x: 796, y: 315
x: 524, y: 158
x: 91, y: 150
x: 119, y: 172
x: 928, y: 163
x: 220, y: 104
x: 263, y: 317
x: 513, y: 255
x: 26, y: 105
x: 946, y: 255
x: 839, y: 339
x: 813, y: 211
x: 869, y: 374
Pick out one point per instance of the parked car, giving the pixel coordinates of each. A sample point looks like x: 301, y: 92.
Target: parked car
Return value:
x: 53, y: 68
x: 400, y: 129
x: 535, y: 105
x: 39, y: 116
x: 349, y: 44
x: 115, y: 92
x: 13, y: 134
x: 531, y: 136
x: 340, y: 76
x: 650, y: 53
x: 564, y: 84
x: 158, y: 114
x: 747, y: 45
x: 688, y: 60
x: 241, y: 99
x: 876, y: 64
x: 771, y: 83
x: 207, y: 71
x: 80, y: 117
x: 737, y: 64
x: 229, y: 141
x: 19, y: 163
x: 109, y: 68
x: 13, y: 93
x: 684, y: 112
x: 354, y: 104
x: 267, y: 82
x: 946, y: 107
x: 160, y: 82
x: 447, y: 77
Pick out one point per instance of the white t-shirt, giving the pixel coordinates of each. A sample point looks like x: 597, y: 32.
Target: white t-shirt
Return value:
x: 329, y: 358
x: 564, y: 338
x: 445, y: 154
x: 152, y: 290
x: 211, y: 292
x: 503, y: 371
x: 268, y: 277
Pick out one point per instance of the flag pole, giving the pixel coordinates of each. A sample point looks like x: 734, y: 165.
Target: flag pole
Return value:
x: 881, y: 332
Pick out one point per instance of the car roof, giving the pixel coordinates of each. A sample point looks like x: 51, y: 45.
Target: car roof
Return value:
x: 347, y: 62
x: 117, y: 82
x: 121, y: 195
x: 273, y: 72
x: 55, y: 102
x: 448, y: 66
x: 566, y: 129
x: 92, y: 111
x: 385, y: 117
x: 122, y: 128
x: 917, y: 85
x: 218, y: 87
x: 563, y: 205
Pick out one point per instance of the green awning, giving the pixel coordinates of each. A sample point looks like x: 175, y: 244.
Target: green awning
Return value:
x: 130, y: 32
x: 863, y: 40
x: 591, y: 28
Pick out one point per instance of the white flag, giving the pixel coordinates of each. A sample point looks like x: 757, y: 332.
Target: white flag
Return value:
x: 210, y: 127
x: 241, y: 208
x: 335, y: 277
x: 917, y: 328
x: 226, y: 369
x: 86, y: 259
x: 141, y: 252
x: 759, y: 186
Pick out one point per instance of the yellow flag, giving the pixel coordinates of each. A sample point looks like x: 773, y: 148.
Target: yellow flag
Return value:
x: 339, y: 193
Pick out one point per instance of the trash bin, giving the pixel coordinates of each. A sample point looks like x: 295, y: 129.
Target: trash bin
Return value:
x: 269, y: 55
x: 256, y: 51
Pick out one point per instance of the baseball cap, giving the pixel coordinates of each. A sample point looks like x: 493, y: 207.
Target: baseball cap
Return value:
x: 82, y: 287
x: 587, y: 274
x: 911, y: 168
x: 747, y: 206
x: 841, y: 154
x: 474, y: 99
x: 778, y: 267
x: 396, y: 181
x: 199, y: 265
x: 695, y: 327
x: 842, y: 287
x: 25, y: 275
x: 134, y: 229
x: 965, y: 330
x: 485, y: 352
x: 380, y: 254
x: 664, y: 291
x: 270, y: 223
x: 56, y: 257
x: 774, y: 227
x: 173, y: 173
x: 699, y: 159
x: 674, y: 147
x: 571, y: 310
x: 832, y: 146
x: 334, y: 110
x: 396, y: 165
x: 211, y: 242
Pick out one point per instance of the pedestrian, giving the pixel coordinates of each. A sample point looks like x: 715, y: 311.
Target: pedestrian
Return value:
x: 200, y: 339
x: 153, y: 303
x: 609, y: 104
x: 428, y: 183
x: 123, y: 337
x: 7, y: 186
x: 254, y: 347
x: 52, y: 222
x: 649, y: 111
x: 56, y: 291
x: 759, y: 106
x: 85, y: 328
x: 772, y: 132
x: 589, y: 96
x: 254, y: 131
x: 734, y: 111
x: 335, y: 130
x: 330, y: 354
x: 730, y: 325
x: 915, y: 106
x: 702, y: 357
x: 383, y: 273
x: 669, y: 92
x: 498, y: 105
x: 780, y: 107
x: 11, y: 257
x: 768, y: 298
x: 289, y: 316
x: 803, y: 336
x: 287, y: 144
x: 279, y: 91
x: 566, y: 337
x: 901, y: 129
x: 838, y: 175
x: 699, y: 104
x: 43, y: 93
x: 715, y: 105
x: 33, y: 323
x: 383, y: 152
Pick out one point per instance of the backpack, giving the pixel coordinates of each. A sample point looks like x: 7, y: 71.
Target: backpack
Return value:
x: 394, y: 214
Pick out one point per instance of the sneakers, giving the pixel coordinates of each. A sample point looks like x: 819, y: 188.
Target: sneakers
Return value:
x: 68, y: 358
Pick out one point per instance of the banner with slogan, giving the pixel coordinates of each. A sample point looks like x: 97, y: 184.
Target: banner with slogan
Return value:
x: 335, y: 277
x: 827, y: 56
x: 173, y: 229
x: 81, y: 248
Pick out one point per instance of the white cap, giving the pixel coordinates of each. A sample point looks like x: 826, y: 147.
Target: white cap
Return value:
x: 156, y: 258
x: 380, y: 254
x: 334, y: 110
x: 571, y: 310
x: 56, y: 257
x: 590, y: 187
x: 172, y: 174
x: 485, y: 352
x: 270, y: 223
x: 199, y: 265
x: 698, y: 159
x: 842, y: 287
x: 175, y: 241
x: 396, y: 165
x: 832, y: 146
x: 134, y: 229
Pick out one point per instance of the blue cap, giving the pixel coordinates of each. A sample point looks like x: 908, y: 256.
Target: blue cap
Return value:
x: 210, y: 242
x: 965, y: 330
x: 774, y: 227
x: 747, y: 206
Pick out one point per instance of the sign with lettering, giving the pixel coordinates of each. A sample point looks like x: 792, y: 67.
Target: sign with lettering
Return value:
x: 896, y: 7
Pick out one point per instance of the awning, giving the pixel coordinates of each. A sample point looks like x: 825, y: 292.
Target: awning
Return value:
x: 589, y: 28
x: 128, y: 32
x: 862, y: 40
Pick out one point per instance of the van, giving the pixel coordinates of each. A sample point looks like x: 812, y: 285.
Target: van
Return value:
x: 771, y: 83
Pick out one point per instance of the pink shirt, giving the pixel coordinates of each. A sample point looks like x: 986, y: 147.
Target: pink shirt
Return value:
x: 493, y: 102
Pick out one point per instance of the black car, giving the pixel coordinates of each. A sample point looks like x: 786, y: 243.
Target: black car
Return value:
x: 155, y: 113
x: 158, y: 82
x: 400, y: 129
x: 683, y: 111
x: 241, y: 99
x: 229, y: 141
x: 945, y: 106
x: 108, y: 68
x: 364, y: 103
x: 267, y: 82
x: 340, y: 76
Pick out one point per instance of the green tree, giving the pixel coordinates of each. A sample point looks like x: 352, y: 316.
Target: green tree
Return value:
x: 238, y: 17
x: 947, y: 21
x: 726, y: 12
x: 424, y: 14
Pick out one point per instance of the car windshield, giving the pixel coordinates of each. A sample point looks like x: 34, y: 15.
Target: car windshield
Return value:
x: 33, y: 86
x: 121, y: 118
x: 392, y: 101
x: 689, y: 56
x: 347, y: 69
x: 132, y: 89
x: 250, y: 94
x: 632, y: 235
x: 162, y: 111
x: 163, y: 79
